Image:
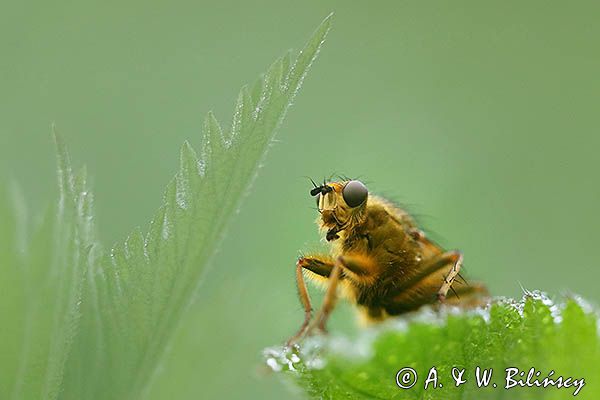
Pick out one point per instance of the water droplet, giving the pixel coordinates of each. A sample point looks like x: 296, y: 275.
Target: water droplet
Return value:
x: 201, y: 167
x: 165, y: 227
x: 273, y: 364
x: 181, y: 194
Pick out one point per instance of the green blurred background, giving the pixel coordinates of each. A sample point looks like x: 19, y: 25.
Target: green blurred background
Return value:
x: 481, y: 117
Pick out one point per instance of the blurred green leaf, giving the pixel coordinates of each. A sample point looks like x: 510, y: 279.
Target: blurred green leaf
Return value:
x: 41, y: 285
x: 532, y: 333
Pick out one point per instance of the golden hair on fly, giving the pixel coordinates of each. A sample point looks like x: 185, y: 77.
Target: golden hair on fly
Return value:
x: 379, y: 260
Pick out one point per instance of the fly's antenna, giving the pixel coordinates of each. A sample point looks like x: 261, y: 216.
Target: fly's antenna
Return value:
x: 320, y: 189
x: 311, y: 181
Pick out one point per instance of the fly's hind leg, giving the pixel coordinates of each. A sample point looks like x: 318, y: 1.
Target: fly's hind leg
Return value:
x: 322, y: 267
x: 432, y: 267
x: 456, y: 258
x: 446, y: 265
x: 424, y: 286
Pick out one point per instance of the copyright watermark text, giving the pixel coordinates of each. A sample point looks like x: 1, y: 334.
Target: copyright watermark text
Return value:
x: 510, y: 377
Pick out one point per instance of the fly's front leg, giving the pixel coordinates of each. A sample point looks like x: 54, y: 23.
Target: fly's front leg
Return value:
x: 322, y: 267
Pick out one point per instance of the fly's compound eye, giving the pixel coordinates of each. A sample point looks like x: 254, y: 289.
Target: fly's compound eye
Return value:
x: 355, y: 193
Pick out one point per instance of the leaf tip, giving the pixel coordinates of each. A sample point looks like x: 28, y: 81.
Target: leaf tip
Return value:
x: 325, y: 26
x: 186, y: 146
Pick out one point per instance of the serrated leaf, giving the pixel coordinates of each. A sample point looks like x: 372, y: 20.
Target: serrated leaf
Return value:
x: 139, y: 289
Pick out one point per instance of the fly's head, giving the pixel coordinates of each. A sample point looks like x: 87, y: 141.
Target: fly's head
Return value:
x: 340, y: 204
